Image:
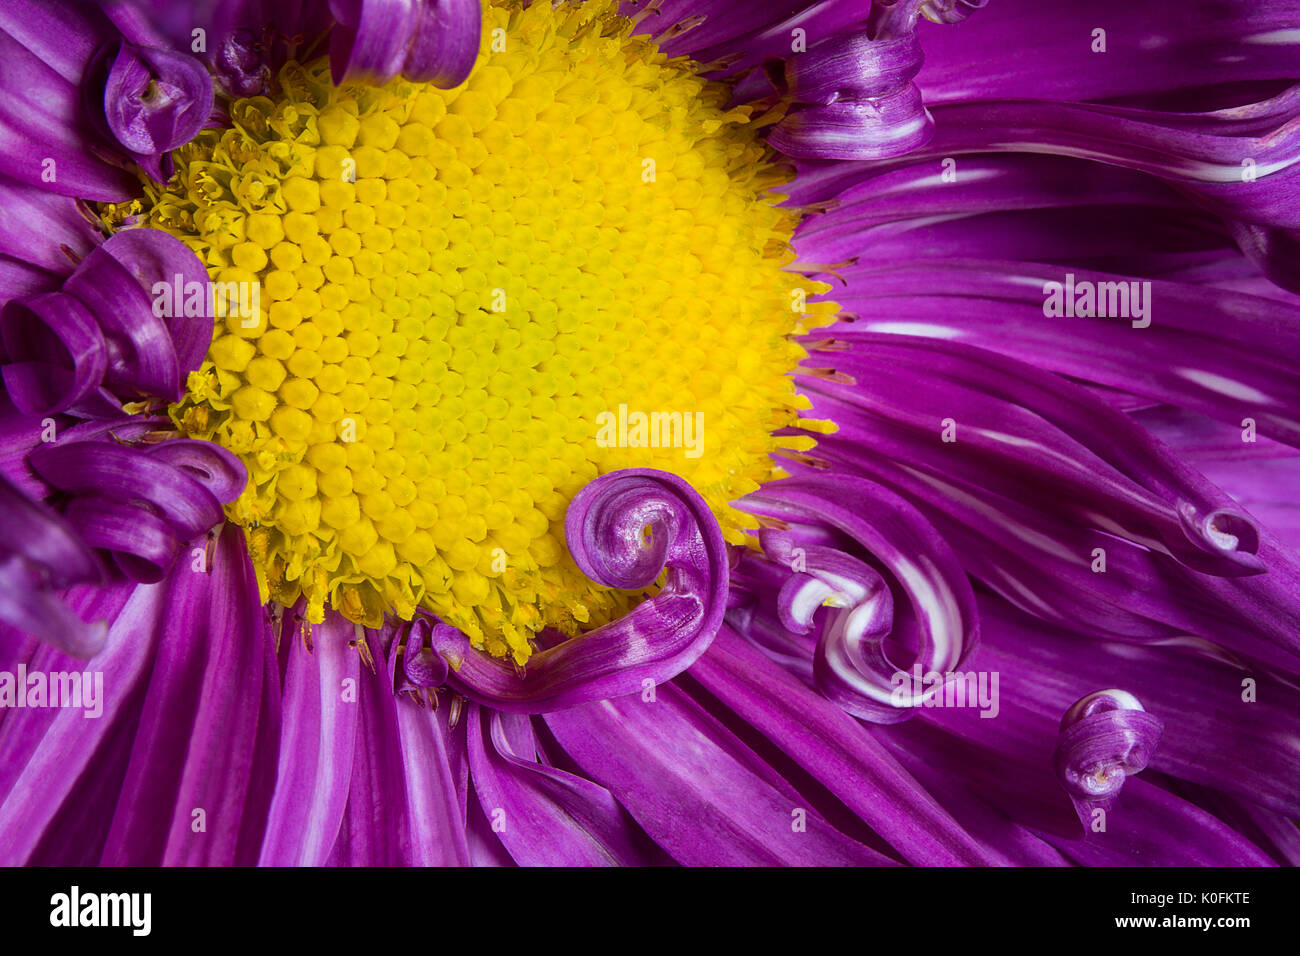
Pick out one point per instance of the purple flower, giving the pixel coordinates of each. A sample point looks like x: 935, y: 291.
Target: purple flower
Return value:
x: 325, y: 488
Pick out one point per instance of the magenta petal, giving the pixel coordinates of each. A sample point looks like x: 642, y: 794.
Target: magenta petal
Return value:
x: 43, y: 122
x: 850, y: 665
x: 445, y: 43
x: 433, y: 41
x: 696, y: 789
x: 56, y: 354
x: 842, y: 754
x: 126, y: 474
x: 105, y: 328
x: 57, y: 761
x: 854, y: 99
x: 544, y: 816
x: 376, y: 825
x: 40, y: 552
x: 202, y: 744
x: 437, y: 815
x: 153, y: 256
x: 320, y: 717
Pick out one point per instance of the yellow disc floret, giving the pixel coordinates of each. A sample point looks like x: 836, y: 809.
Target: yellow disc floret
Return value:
x: 441, y: 313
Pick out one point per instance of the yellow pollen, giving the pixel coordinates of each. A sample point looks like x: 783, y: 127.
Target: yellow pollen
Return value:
x: 472, y: 302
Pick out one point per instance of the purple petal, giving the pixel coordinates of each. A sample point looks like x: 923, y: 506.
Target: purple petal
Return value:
x: 838, y: 752
x: 1151, y: 48
x: 853, y: 98
x: 544, y: 816
x: 155, y: 100
x: 56, y: 761
x: 105, y: 328
x: 55, y: 353
x: 430, y: 41
x: 437, y: 815
x: 153, y: 256
x: 1106, y: 737
x: 850, y: 663
x: 209, y: 727
x: 39, y: 553
x: 376, y: 825
x: 698, y: 791
x: 44, y: 229
x: 320, y: 719
x: 44, y: 131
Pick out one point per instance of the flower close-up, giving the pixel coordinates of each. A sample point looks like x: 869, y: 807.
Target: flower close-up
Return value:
x: 724, y: 433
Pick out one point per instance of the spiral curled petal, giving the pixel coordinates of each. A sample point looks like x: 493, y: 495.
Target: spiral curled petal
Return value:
x: 155, y: 100
x: 606, y: 531
x: 141, y: 503
x: 101, y: 337
x: 429, y: 41
x: 850, y: 665
x: 421, y: 666
x: 1104, y: 738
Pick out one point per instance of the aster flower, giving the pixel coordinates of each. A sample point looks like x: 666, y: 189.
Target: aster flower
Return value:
x: 708, y: 433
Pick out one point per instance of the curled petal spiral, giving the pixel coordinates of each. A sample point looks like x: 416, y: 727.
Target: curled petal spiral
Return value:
x: 140, y: 502
x: 950, y: 11
x: 101, y: 339
x: 415, y: 667
x: 1105, y: 738
x: 153, y: 101
x: 850, y: 663
x: 623, y: 529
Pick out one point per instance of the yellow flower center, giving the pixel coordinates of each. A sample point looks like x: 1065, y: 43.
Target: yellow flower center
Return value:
x: 471, y: 302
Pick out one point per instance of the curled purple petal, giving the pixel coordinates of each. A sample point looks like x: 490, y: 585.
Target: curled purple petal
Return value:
x: 240, y: 66
x: 853, y: 98
x: 422, y: 666
x: 950, y: 11
x: 119, y: 323
x: 153, y: 256
x: 850, y: 664
x: 155, y: 100
x: 1105, y: 737
x: 433, y: 793
x: 606, y: 531
x: 55, y: 351
x: 216, y: 469
x: 140, y: 503
x: 40, y: 553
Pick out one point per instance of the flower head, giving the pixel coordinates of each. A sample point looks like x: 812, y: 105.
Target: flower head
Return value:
x: 707, y: 433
